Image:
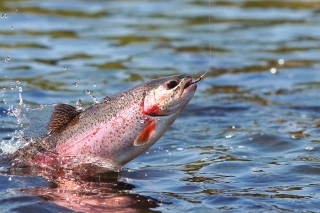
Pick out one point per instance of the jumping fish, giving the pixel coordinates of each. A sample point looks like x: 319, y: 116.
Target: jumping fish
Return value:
x: 109, y: 134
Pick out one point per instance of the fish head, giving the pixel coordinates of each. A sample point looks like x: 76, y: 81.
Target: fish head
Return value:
x: 163, y: 100
x: 168, y: 95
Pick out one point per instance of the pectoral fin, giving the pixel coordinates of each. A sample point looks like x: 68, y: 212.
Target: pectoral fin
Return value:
x: 145, y: 135
x: 62, y: 114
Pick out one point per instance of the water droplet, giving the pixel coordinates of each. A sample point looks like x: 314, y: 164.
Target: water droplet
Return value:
x: 95, y: 99
x: 281, y: 61
x: 273, y: 70
x: 64, y: 68
x: 75, y: 84
x: 12, y: 27
x: 79, y: 104
x: 87, y: 91
x: 6, y: 15
x: 7, y: 59
x: 94, y: 85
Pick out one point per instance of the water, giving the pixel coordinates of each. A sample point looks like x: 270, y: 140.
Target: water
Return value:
x: 249, y: 139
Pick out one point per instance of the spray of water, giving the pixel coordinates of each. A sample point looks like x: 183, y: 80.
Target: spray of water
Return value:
x: 14, y: 115
x: 27, y: 123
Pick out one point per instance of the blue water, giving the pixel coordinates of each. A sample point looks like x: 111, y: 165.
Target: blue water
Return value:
x: 249, y: 140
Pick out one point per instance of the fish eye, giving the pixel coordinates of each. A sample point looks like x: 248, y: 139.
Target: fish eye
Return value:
x: 172, y: 84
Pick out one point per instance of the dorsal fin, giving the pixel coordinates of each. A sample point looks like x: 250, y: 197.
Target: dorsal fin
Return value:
x: 62, y: 114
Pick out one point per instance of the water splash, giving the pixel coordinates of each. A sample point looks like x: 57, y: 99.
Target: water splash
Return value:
x: 38, y: 118
x: 79, y: 104
x: 16, y: 113
x: 28, y: 123
x: 94, y: 98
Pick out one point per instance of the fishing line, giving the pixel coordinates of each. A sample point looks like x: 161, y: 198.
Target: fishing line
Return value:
x: 210, y: 52
x: 209, y: 41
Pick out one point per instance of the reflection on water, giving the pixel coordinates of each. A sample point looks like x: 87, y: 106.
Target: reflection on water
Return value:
x: 248, y: 141
x: 99, y: 194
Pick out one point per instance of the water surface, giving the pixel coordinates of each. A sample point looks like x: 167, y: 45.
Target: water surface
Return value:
x: 248, y: 141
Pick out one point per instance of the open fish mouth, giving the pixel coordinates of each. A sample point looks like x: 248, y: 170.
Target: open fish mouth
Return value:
x: 187, y: 86
x: 188, y: 83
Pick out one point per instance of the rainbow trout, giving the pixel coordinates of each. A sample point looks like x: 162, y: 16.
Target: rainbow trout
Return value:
x: 109, y: 134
